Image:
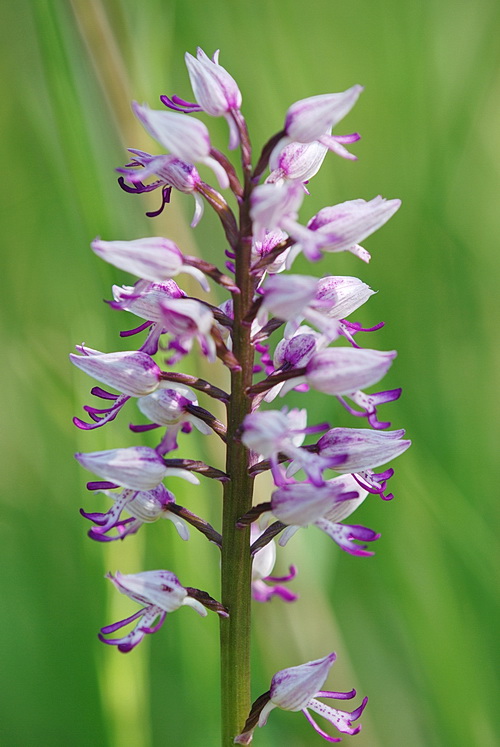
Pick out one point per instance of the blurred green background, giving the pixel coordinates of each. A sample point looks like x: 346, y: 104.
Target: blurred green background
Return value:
x: 416, y: 626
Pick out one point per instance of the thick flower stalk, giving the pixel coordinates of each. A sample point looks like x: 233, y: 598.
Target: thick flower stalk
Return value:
x: 274, y: 332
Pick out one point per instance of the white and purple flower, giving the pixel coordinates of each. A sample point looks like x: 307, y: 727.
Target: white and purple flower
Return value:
x: 160, y: 592
x: 144, y: 507
x: 297, y: 689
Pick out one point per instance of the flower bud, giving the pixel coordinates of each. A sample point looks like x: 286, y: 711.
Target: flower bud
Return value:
x: 214, y: 89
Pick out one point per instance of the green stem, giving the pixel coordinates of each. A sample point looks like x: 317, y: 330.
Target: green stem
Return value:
x: 236, y: 559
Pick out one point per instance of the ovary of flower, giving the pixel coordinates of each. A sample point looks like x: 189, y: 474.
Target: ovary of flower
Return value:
x: 144, y: 506
x: 155, y: 259
x: 188, y: 319
x: 135, y: 467
x: 160, y: 592
x: 297, y: 689
x: 186, y: 137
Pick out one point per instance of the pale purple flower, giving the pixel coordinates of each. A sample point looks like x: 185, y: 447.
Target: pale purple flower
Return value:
x: 287, y: 296
x: 340, y: 370
x: 187, y: 138
x: 362, y: 448
x: 302, y: 503
x: 155, y: 259
x: 323, y: 302
x: 269, y: 241
x: 168, y: 406
x: 341, y: 227
x: 294, y: 352
x: 187, y: 319
x: 309, y: 119
x: 131, y: 372
x: 215, y: 90
x: 170, y: 171
x: 295, y: 161
x: 337, y: 499
x: 273, y: 431
x: 146, y: 303
x: 297, y: 689
x: 160, y: 592
x: 134, y: 467
x: 276, y: 206
x: 262, y: 567
x: 369, y: 403
x: 144, y: 507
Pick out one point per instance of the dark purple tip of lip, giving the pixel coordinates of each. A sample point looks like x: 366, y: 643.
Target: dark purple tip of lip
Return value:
x: 102, y: 393
x: 97, y: 518
x: 352, y: 138
x: 101, y: 485
x: 121, y: 624
x: 140, y: 328
x: 143, y: 428
x: 166, y: 191
x: 179, y: 105
x: 337, y: 696
x: 97, y: 536
x: 138, y: 187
